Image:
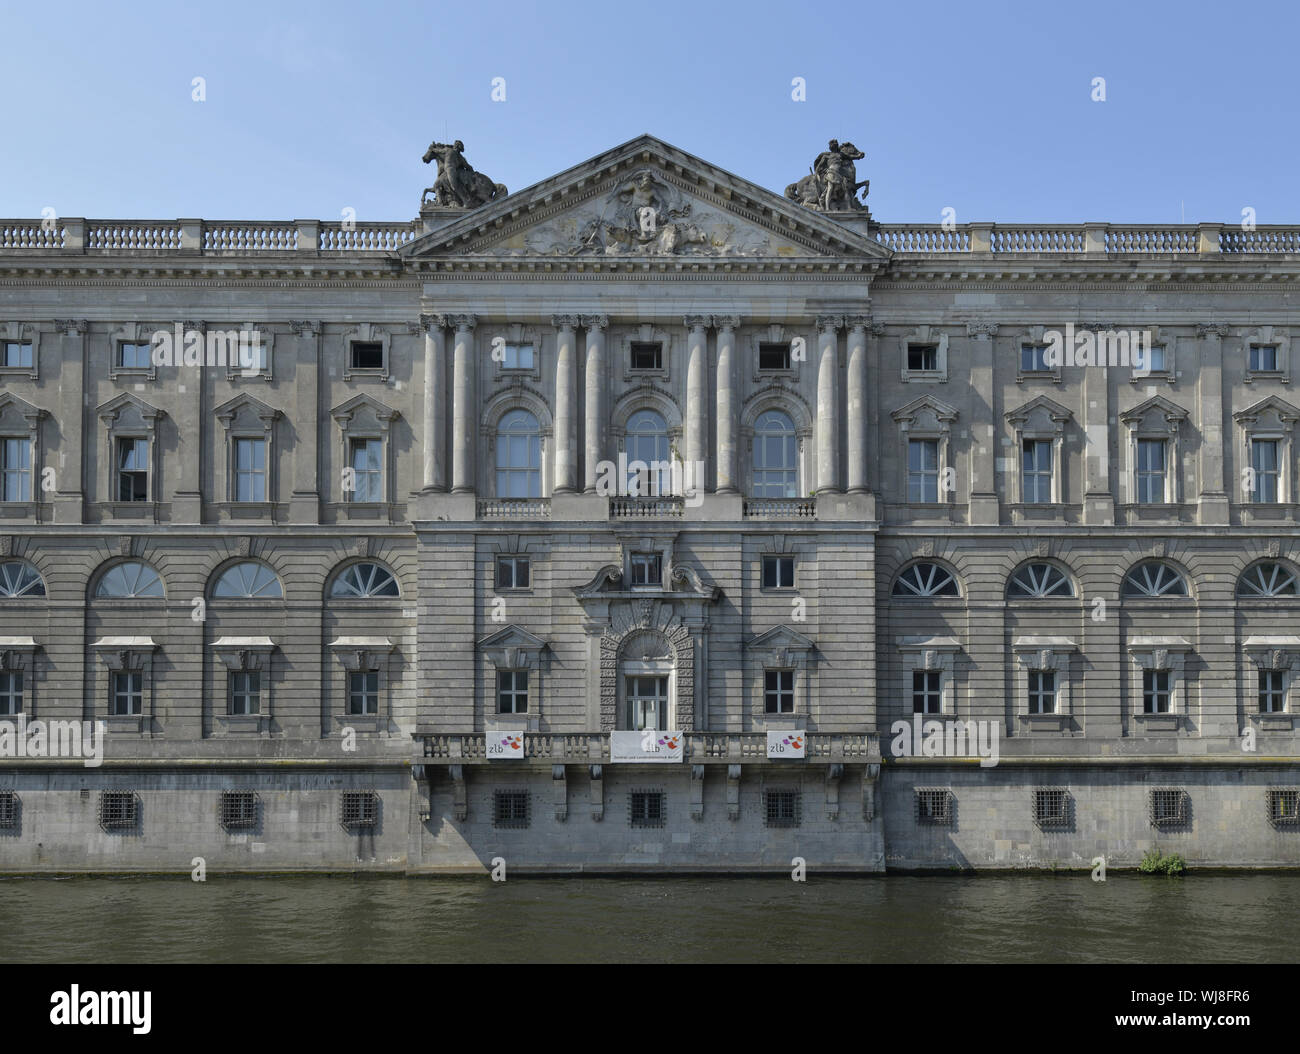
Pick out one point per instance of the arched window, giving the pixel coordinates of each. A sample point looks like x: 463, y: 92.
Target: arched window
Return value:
x: 18, y: 578
x: 1154, y: 579
x: 776, y: 457
x: 519, y: 456
x: 1267, y: 579
x: 926, y: 580
x: 364, y: 580
x: 1038, y: 581
x: 647, y: 442
x: 130, y: 580
x: 248, y: 581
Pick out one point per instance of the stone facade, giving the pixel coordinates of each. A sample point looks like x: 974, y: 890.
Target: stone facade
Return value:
x: 302, y: 586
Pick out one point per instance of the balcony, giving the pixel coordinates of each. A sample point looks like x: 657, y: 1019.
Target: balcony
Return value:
x: 514, y: 509
x: 646, y: 508
x: 702, y: 748
x: 780, y: 509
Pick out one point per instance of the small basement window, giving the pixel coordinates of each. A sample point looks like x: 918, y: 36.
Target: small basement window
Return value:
x: 646, y: 808
x: 118, y: 810
x: 360, y: 809
x: 238, y: 810
x: 781, y: 808
x: 510, y: 808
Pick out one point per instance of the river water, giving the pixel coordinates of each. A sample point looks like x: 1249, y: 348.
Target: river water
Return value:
x: 887, y: 918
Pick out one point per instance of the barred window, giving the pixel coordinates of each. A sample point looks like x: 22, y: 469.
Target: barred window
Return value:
x: 509, y: 808
x: 1168, y: 807
x: 934, y: 806
x: 360, y: 809
x: 238, y: 810
x: 8, y: 810
x: 1284, y: 806
x: 1051, y: 808
x: 781, y: 808
x: 646, y: 808
x: 118, y: 810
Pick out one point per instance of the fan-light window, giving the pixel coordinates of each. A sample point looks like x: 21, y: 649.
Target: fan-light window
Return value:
x: 1039, y: 581
x: 130, y: 580
x: 1154, y: 580
x: 925, y: 580
x: 248, y: 581
x: 20, y: 579
x: 364, y: 580
x: 1267, y: 580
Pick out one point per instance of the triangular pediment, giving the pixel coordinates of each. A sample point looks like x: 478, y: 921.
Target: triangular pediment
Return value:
x: 781, y: 638
x: 1284, y: 410
x: 233, y: 407
x: 925, y: 404
x: 1053, y: 409
x: 20, y: 406
x: 347, y: 410
x: 513, y: 637
x: 115, y: 406
x: 647, y: 200
x: 1156, y: 405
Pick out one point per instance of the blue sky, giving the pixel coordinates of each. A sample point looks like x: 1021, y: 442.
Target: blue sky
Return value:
x: 982, y: 107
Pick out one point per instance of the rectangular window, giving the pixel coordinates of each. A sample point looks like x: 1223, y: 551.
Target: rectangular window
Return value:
x: 127, y: 698
x: 1036, y: 472
x: 1042, y: 691
x: 647, y: 699
x: 518, y: 357
x: 1033, y: 358
x: 781, y: 808
x: 922, y: 471
x: 512, y: 692
x: 1284, y: 806
x: 250, y: 470
x: 15, y: 468
x: 245, y: 692
x: 1263, y: 358
x: 513, y: 572
x: 647, y: 356
x: 133, y: 470
x: 11, y: 693
x: 132, y: 356
x: 509, y: 808
x: 647, y: 569
x: 1272, y: 691
x: 927, y: 691
x: 363, y: 692
x: 16, y: 354
x: 923, y: 358
x: 367, y: 355
x: 1151, y: 471
x: 359, y: 809
x: 117, y: 810
x: 934, y: 805
x: 1156, y: 359
x: 778, y: 572
x: 1051, y: 808
x: 1265, y: 474
x: 1155, y: 691
x: 8, y: 809
x: 774, y: 356
x: 238, y: 810
x: 366, y: 458
x: 646, y: 809
x: 778, y: 691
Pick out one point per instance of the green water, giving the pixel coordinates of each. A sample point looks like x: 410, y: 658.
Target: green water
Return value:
x: 1002, y: 918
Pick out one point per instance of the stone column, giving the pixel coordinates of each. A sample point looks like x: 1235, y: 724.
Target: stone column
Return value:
x: 856, y: 398
x: 1213, y: 501
x: 728, y: 423
x: 696, y: 387
x: 304, y: 501
x: 566, y: 446
x: 984, y: 506
x: 595, y: 398
x: 464, y: 412
x: 435, y: 402
x: 828, y: 404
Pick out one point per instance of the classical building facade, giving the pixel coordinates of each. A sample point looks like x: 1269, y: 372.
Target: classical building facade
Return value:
x: 646, y: 519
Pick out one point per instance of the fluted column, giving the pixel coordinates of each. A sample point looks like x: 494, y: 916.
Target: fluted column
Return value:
x: 566, y: 452
x: 696, y: 386
x: 435, y: 401
x: 595, y: 398
x: 728, y: 422
x: 464, y: 412
x: 856, y: 445
x: 828, y: 424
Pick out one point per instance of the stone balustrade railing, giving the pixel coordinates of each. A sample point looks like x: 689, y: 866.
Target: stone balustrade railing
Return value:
x: 780, y: 509
x: 700, y: 747
x: 513, y: 508
x: 645, y: 508
x: 253, y: 237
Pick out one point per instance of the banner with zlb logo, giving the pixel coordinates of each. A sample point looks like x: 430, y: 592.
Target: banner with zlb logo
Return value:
x: 791, y: 744
x: 647, y: 747
x: 502, y: 746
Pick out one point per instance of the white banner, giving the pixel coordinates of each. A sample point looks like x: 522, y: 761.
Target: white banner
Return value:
x: 792, y: 744
x: 647, y: 747
x: 504, y: 745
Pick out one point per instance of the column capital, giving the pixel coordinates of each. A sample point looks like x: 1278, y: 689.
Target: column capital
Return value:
x: 981, y: 329
x: 830, y: 322
x: 590, y: 322
x: 432, y: 321
x: 858, y: 321
x: 726, y: 321
x: 309, y: 327
x: 1212, y: 329
x: 696, y: 321
x: 463, y: 321
x: 564, y: 321
x: 68, y: 326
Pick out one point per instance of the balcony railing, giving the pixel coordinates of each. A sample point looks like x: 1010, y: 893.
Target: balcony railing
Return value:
x: 646, y: 508
x: 700, y: 748
x: 514, y: 509
x: 780, y: 509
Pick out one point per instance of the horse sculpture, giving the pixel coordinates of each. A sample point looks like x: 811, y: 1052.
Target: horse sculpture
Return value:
x: 457, y: 184
x: 832, y: 185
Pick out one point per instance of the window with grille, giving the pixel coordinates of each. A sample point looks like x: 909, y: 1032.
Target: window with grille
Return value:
x: 509, y: 808
x: 1284, y: 806
x: 1051, y: 808
x: 778, y: 572
x: 927, y: 691
x: 1156, y: 694
x: 1042, y: 691
x: 925, y: 580
x: 8, y: 810
x: 1267, y: 579
x: 646, y: 808
x: 118, y: 810
x: 781, y: 808
x: 774, y: 356
x: 1272, y: 692
x: 934, y: 806
x: 1154, y: 579
x: 238, y: 810
x: 1168, y: 807
x: 513, y: 572
x: 359, y: 809
x: 778, y: 691
x: 1039, y: 581
x: 512, y: 692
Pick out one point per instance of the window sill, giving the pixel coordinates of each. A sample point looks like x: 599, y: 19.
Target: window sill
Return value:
x: 19, y: 371
x: 128, y: 723
x: 366, y: 724
x: 1267, y: 375
x: 1273, y: 720
x: 1169, y: 722
x: 1050, y: 376
x: 1055, y: 722
x: 243, y: 724
x: 924, y: 376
